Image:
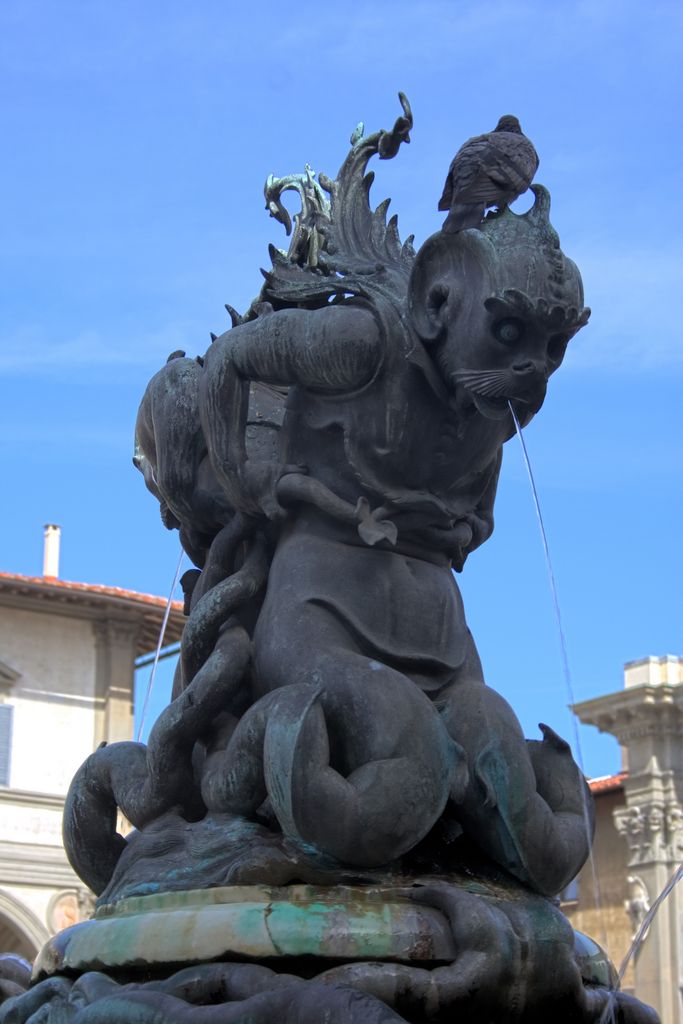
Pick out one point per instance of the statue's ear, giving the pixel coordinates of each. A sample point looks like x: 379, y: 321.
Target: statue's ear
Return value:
x: 433, y: 293
x: 434, y: 309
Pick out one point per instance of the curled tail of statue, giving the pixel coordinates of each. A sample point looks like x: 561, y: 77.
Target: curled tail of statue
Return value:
x: 283, y: 752
x: 143, y: 782
x: 368, y: 816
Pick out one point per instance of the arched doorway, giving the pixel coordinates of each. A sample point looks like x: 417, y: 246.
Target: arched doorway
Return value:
x: 20, y: 930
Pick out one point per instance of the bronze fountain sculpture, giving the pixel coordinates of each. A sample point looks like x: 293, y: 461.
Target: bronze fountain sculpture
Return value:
x: 332, y: 762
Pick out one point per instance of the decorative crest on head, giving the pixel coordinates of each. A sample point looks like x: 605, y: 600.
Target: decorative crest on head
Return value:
x: 528, y: 246
x: 340, y: 246
x: 309, y: 236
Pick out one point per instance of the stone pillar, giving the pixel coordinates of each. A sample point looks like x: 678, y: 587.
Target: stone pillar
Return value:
x: 115, y: 641
x: 647, y: 719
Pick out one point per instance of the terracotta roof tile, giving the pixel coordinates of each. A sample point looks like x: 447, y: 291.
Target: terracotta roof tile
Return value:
x: 92, y: 588
x: 95, y: 594
x: 607, y: 783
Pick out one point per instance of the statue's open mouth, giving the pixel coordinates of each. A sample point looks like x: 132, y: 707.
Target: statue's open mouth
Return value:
x: 492, y: 408
x: 525, y: 406
x: 491, y: 391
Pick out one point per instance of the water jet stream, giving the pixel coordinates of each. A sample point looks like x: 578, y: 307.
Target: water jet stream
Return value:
x: 565, y: 666
x: 160, y: 644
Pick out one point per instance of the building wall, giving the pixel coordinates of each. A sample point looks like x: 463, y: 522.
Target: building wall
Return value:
x: 36, y: 880
x: 67, y: 657
x: 67, y: 675
x: 605, y: 919
x: 646, y: 717
x: 53, y: 697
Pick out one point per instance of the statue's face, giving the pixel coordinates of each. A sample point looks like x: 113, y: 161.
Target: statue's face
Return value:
x: 502, y: 349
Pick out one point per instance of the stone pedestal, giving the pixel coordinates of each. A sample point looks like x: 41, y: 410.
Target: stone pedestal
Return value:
x: 370, y: 954
x: 255, y: 922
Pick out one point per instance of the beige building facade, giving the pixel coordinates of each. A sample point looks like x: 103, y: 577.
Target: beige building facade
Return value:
x: 596, y: 903
x: 639, y: 833
x: 67, y: 662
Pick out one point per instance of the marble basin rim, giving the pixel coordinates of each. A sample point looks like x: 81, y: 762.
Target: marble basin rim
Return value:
x: 251, y: 922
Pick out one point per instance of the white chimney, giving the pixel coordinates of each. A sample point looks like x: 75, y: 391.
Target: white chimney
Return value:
x: 51, y: 551
x: 664, y: 671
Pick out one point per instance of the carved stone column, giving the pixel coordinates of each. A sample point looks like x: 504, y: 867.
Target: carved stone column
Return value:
x: 115, y: 641
x: 647, y: 719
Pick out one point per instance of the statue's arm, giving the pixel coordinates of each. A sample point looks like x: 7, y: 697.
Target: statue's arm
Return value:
x: 331, y: 349
x: 334, y: 349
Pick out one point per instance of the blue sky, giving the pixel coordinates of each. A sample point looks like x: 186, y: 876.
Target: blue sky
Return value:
x: 137, y: 137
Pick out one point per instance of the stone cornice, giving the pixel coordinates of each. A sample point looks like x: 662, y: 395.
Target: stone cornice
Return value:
x: 35, y: 864
x: 638, y: 711
x: 29, y: 798
x: 93, y: 601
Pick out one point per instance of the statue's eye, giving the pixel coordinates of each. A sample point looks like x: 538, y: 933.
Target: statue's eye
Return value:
x: 509, y: 330
x: 557, y: 343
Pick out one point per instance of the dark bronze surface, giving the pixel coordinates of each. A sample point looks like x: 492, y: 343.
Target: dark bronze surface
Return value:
x: 328, y: 462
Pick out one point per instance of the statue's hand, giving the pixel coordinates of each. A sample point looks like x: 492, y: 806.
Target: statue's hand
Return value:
x: 259, y: 481
x: 462, y: 538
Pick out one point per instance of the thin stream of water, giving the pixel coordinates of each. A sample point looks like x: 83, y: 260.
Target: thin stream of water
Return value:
x: 608, y: 1014
x: 639, y: 937
x: 160, y: 644
x: 565, y: 666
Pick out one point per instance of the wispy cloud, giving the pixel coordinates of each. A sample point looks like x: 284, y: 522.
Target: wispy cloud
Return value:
x: 31, y: 351
x: 635, y: 324
x: 372, y: 35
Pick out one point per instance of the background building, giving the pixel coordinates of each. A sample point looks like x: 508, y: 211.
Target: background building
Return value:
x: 639, y: 833
x: 67, y: 661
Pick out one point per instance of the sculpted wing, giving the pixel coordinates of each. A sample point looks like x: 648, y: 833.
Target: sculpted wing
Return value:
x: 357, y: 251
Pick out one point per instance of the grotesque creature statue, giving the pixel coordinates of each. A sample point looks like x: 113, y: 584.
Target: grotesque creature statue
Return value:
x: 367, y: 710
x: 328, y: 462
x: 398, y: 413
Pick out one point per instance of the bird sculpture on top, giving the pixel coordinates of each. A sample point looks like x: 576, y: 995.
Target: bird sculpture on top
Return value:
x: 488, y: 170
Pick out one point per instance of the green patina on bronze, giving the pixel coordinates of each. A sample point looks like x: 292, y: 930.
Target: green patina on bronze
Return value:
x: 337, y: 923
